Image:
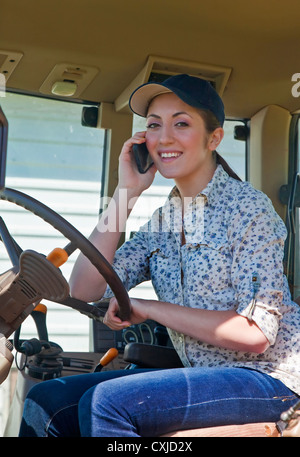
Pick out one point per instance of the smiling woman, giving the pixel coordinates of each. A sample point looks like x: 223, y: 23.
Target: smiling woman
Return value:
x: 180, y: 145
x: 208, y: 258
x: 228, y: 332
x: 179, y: 134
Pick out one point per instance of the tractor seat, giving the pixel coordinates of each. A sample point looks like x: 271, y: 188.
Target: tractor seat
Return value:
x: 151, y: 356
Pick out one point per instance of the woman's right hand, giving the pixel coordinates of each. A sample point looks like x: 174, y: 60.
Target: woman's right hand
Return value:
x: 139, y: 313
x: 129, y: 176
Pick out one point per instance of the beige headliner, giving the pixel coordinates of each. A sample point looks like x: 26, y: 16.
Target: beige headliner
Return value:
x: 257, y: 39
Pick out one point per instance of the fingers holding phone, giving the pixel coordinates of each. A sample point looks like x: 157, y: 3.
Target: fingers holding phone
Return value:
x: 142, y: 157
x: 136, y: 167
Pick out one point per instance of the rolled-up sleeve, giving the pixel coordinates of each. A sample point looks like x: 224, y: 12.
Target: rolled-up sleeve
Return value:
x: 258, y: 237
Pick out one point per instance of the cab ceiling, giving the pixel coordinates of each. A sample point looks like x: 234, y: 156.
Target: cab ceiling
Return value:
x: 257, y: 39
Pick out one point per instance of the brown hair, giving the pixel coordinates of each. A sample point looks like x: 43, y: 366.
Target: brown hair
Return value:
x: 211, y: 123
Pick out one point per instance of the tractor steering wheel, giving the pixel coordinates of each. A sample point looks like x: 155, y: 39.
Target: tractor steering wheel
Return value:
x: 77, y: 241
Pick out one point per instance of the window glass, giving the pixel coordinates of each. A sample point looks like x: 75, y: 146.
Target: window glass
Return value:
x: 234, y: 151
x: 53, y: 158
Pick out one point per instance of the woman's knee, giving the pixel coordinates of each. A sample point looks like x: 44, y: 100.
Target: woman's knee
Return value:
x: 103, y: 410
x: 39, y: 393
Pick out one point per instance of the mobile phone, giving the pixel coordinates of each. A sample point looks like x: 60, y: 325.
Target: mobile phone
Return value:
x: 142, y: 157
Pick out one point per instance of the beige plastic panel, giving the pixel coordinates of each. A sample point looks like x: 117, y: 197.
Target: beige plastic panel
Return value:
x: 269, y: 154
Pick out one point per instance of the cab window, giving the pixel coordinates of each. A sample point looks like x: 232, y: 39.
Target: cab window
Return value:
x: 291, y: 197
x: 55, y: 159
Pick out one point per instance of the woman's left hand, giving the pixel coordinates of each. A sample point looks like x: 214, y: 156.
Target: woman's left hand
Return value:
x: 139, y: 313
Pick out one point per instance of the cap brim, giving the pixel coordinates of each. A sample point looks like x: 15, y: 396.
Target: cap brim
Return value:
x: 142, y: 96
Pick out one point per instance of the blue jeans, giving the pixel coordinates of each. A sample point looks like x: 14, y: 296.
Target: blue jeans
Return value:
x: 134, y: 403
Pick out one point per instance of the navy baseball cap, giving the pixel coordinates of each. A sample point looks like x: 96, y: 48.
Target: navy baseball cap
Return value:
x: 194, y: 91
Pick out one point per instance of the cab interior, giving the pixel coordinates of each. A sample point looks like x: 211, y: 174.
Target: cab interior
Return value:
x: 90, y: 56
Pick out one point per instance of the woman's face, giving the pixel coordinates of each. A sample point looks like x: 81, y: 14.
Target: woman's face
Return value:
x: 177, y: 139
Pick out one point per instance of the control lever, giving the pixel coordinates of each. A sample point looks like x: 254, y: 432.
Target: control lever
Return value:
x: 108, y: 357
x: 39, y: 316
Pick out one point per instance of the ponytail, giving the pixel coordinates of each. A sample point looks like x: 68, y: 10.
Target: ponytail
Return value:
x: 227, y: 168
x: 212, y: 123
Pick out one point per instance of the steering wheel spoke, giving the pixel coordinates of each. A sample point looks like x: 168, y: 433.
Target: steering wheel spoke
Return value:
x: 13, y: 249
x: 94, y: 311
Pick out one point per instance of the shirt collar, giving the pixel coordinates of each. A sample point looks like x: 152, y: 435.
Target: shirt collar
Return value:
x: 213, y: 189
x: 216, y: 186
x: 193, y: 219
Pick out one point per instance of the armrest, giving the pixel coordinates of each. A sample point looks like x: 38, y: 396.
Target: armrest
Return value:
x: 151, y: 356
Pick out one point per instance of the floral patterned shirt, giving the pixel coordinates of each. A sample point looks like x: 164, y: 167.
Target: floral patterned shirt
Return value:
x: 231, y: 259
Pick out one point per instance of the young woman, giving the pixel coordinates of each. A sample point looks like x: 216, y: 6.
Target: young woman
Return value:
x: 214, y: 254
